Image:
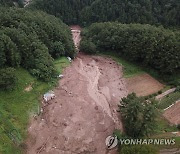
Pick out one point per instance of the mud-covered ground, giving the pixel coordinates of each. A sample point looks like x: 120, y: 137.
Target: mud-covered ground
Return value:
x: 173, y: 114
x: 84, y: 111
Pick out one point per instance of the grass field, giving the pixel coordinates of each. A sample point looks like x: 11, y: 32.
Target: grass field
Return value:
x: 163, y: 126
x: 168, y: 100
x: 61, y: 63
x: 17, y: 105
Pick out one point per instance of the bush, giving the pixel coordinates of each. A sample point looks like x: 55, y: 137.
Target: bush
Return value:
x: 88, y: 46
x: 160, y: 92
x: 118, y: 133
x: 178, y: 88
x: 7, y: 78
x: 178, y: 126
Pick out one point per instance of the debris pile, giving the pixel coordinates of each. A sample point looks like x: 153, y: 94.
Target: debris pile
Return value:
x: 69, y: 58
x: 49, y: 96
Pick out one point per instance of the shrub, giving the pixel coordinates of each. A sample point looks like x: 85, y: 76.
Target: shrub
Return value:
x: 178, y: 126
x: 7, y: 78
x: 178, y: 88
x: 118, y: 133
x: 160, y: 92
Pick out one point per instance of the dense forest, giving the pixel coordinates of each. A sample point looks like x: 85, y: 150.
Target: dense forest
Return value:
x: 6, y: 3
x: 85, y: 12
x: 151, y: 46
x: 165, y: 12
x: 11, y: 3
x: 31, y: 39
x: 68, y: 10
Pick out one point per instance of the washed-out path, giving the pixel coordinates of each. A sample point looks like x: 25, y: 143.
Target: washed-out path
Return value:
x: 84, y: 111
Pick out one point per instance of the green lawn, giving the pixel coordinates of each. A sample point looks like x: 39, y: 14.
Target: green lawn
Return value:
x: 163, y: 125
x: 129, y: 69
x: 168, y: 100
x: 61, y: 63
x: 17, y: 105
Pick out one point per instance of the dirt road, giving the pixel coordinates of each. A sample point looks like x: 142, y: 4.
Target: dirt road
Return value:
x: 83, y: 113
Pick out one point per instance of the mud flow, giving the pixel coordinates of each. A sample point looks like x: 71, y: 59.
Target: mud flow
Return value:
x: 84, y: 111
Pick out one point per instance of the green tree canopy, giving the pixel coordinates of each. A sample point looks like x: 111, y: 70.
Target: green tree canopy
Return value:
x: 138, y: 115
x: 85, y: 12
x: 148, y: 45
x: 32, y: 39
x: 7, y: 78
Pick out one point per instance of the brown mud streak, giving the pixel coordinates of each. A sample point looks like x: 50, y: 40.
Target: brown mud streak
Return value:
x: 84, y: 112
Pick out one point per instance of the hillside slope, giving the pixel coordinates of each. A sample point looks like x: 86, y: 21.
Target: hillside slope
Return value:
x: 18, y: 105
x: 32, y: 39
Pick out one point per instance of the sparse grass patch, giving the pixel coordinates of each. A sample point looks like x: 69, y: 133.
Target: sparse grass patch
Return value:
x: 129, y: 69
x: 164, y: 126
x: 168, y: 100
x: 61, y: 63
x: 132, y: 69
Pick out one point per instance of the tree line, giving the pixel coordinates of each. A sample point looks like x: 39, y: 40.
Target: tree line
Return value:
x: 32, y: 39
x: 6, y: 3
x: 10, y: 3
x: 164, y: 12
x: 67, y: 10
x: 148, y: 45
x: 85, y: 12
